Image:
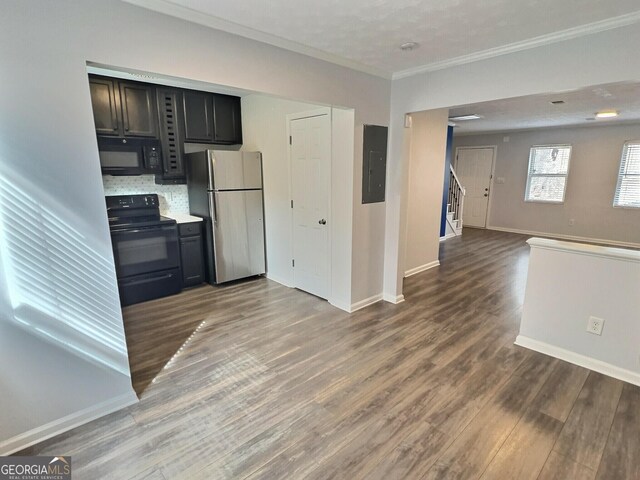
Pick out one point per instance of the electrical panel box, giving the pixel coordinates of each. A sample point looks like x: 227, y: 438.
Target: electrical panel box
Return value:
x: 374, y: 163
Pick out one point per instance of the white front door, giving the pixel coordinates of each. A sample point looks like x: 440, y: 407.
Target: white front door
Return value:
x: 310, y: 188
x: 473, y: 167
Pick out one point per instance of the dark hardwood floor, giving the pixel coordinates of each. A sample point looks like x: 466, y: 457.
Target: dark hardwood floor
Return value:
x: 255, y: 380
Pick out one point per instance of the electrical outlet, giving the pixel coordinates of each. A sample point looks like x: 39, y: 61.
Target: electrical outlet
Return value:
x: 595, y: 325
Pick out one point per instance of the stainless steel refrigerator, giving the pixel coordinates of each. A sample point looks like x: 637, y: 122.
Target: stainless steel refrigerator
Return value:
x: 225, y: 188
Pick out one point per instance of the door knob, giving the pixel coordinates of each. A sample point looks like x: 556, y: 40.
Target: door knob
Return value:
x: 322, y: 222
x: 486, y: 194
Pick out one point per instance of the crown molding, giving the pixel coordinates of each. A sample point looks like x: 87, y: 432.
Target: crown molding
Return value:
x: 562, y: 35
x: 190, y: 15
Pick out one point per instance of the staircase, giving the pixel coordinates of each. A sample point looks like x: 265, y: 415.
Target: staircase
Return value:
x: 454, y: 206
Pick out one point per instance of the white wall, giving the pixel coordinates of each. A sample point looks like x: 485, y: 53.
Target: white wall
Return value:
x: 596, y: 59
x: 565, y: 286
x: 48, y: 139
x: 426, y: 177
x: 264, y: 129
x: 593, y: 175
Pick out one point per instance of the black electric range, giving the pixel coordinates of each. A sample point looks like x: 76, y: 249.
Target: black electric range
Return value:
x: 145, y: 248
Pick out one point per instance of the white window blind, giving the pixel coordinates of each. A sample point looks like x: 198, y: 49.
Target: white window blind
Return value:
x: 628, y: 188
x: 548, y: 171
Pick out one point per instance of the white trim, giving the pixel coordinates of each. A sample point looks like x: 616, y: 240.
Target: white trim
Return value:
x: 579, y: 359
x: 393, y: 298
x: 565, y: 237
x: 279, y: 280
x: 446, y: 237
x: 421, y: 268
x: 561, y: 36
x: 585, y: 249
x: 64, y: 424
x: 342, y: 306
x: 211, y: 21
x: 366, y: 302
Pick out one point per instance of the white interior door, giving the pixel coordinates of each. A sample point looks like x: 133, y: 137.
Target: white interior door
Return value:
x: 310, y: 188
x: 473, y: 167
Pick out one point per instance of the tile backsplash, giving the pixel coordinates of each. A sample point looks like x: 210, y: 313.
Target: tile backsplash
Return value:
x: 173, y: 198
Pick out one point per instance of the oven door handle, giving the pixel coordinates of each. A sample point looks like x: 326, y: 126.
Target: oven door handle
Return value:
x: 144, y: 230
x: 148, y: 280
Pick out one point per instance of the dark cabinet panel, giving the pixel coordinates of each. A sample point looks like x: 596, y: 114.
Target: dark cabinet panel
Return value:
x: 192, y: 259
x: 227, y: 122
x: 105, y: 106
x: 198, y: 116
x: 170, y: 135
x: 138, y: 110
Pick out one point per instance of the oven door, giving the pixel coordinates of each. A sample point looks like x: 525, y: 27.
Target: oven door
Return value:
x: 145, y: 250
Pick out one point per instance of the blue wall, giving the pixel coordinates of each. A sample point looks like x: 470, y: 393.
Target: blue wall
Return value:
x: 447, y: 174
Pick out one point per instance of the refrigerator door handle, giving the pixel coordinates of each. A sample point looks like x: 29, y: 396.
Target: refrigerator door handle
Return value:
x: 212, y: 208
x: 211, y: 165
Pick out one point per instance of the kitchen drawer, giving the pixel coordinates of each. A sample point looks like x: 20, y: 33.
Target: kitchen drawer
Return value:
x: 188, y: 229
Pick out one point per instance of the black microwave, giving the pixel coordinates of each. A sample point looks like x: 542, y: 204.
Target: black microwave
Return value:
x: 130, y: 156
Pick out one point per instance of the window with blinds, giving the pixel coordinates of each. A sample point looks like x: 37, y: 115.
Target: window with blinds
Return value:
x: 628, y: 188
x: 548, y: 171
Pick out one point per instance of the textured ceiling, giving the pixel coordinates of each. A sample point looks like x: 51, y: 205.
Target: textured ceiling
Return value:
x: 536, y: 111
x: 369, y: 32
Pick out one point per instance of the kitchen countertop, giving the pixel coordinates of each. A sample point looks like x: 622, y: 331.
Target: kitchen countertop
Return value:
x: 183, y: 217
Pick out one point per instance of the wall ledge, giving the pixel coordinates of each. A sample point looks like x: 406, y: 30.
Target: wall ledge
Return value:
x: 585, y: 249
x: 580, y: 360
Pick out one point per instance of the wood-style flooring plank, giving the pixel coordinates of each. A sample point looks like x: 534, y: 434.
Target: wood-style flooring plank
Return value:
x: 256, y: 380
x: 585, y: 432
x: 621, y: 458
x: 560, y: 467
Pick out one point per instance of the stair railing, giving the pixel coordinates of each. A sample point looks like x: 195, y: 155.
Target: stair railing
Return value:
x: 456, y: 197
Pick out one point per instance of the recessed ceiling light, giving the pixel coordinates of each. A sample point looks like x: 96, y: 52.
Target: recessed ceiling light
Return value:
x: 461, y: 118
x: 556, y: 102
x: 607, y: 114
x: 408, y: 46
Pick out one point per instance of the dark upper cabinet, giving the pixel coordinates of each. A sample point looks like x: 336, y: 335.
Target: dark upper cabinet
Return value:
x: 227, y: 122
x: 171, y: 136
x: 138, y: 103
x: 211, y: 118
x: 198, y: 116
x: 105, y: 106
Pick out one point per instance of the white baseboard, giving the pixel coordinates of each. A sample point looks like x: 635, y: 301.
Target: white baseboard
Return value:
x: 366, y: 302
x: 64, y: 424
x: 393, y: 298
x: 421, y: 268
x: 566, y: 237
x: 448, y: 236
x: 279, y: 280
x: 579, y: 359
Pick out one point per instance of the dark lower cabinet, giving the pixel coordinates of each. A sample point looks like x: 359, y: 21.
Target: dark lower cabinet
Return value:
x: 191, y: 254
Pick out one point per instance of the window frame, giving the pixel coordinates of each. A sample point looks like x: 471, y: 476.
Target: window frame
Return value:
x: 620, y: 175
x: 530, y: 175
